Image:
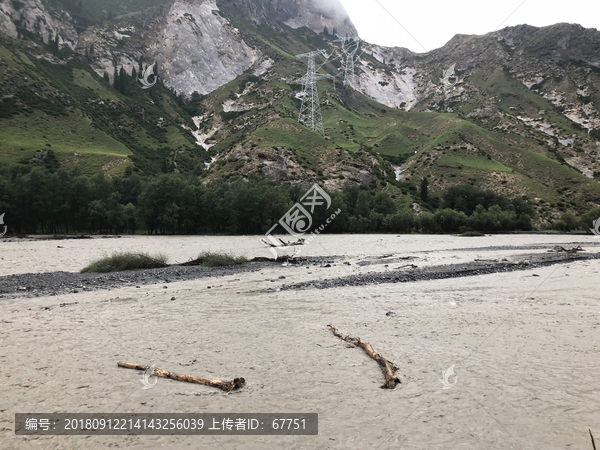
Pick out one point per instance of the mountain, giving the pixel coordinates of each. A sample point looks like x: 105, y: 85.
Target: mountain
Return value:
x: 313, y: 14
x: 516, y: 111
x: 536, y: 89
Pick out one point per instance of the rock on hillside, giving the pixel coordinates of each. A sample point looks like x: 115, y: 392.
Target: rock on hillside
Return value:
x: 30, y: 16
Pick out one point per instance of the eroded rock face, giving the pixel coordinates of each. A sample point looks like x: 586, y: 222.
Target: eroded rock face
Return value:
x: 313, y: 14
x: 532, y: 54
x: 558, y: 42
x: 557, y: 62
x: 101, y: 45
x: 31, y: 16
x: 196, y: 48
x: 396, y: 90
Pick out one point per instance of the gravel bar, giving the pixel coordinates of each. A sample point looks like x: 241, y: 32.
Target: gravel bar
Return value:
x: 525, y: 262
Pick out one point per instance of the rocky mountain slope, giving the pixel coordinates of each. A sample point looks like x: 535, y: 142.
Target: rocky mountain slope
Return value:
x: 541, y: 83
x: 31, y: 17
x: 515, y: 110
x: 193, y: 43
x: 313, y: 14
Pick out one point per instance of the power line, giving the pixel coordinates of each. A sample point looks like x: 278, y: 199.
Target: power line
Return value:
x: 310, y: 111
x: 349, y: 48
x: 398, y: 22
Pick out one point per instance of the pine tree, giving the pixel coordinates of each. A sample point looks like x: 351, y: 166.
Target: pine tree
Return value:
x: 425, y: 190
x: 116, y: 79
x: 123, y: 80
x: 106, y: 77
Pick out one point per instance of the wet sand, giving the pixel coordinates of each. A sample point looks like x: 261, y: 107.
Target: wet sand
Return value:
x: 525, y: 345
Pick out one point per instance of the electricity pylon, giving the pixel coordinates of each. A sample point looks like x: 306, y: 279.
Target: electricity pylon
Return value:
x: 349, y: 48
x: 310, y: 111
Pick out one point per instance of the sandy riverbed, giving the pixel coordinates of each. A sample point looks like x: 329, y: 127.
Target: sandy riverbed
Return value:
x: 525, y: 344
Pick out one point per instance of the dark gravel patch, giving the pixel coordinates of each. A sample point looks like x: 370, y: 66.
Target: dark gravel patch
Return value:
x: 497, y: 248
x: 525, y: 262
x: 59, y: 283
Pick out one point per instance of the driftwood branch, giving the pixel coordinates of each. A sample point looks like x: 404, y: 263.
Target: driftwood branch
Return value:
x: 559, y: 249
x: 283, y: 243
x: 226, y: 386
x: 389, y: 369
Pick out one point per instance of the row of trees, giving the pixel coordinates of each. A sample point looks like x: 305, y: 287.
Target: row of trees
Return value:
x: 124, y: 82
x: 37, y: 200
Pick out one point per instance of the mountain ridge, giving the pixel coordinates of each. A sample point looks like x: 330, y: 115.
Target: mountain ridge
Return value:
x: 492, y: 110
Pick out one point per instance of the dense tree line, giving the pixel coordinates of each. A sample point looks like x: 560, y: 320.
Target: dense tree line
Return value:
x: 37, y: 200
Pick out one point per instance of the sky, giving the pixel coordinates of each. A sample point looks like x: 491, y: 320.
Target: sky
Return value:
x: 426, y: 25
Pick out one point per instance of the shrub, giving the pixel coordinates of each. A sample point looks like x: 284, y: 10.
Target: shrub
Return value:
x: 118, y: 262
x: 524, y: 223
x: 208, y: 259
x: 465, y: 198
x: 567, y: 222
x: 472, y: 234
x: 450, y: 220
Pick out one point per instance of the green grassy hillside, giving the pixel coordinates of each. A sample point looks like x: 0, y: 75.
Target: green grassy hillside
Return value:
x: 67, y: 111
x: 58, y: 112
x: 361, y: 134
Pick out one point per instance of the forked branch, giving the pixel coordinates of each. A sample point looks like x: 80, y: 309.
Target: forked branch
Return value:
x: 388, y: 368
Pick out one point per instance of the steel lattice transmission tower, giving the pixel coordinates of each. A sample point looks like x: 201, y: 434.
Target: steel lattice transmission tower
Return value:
x: 349, y: 48
x: 310, y: 111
